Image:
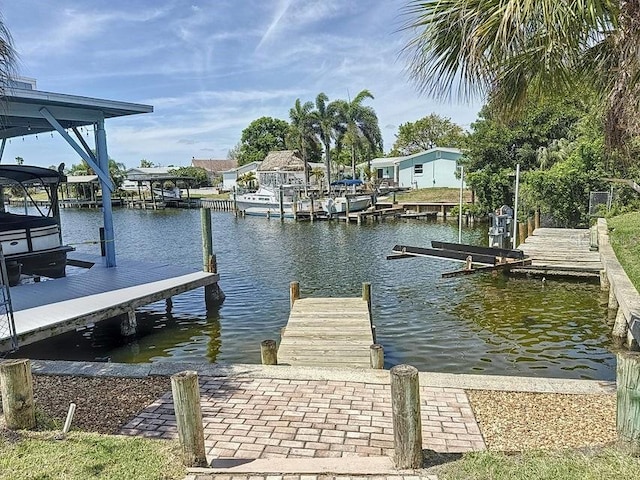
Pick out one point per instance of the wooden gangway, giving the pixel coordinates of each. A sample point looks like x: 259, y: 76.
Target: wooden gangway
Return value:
x: 328, y: 332
x: 561, y: 251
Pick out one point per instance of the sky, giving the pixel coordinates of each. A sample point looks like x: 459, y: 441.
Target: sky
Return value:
x: 211, y: 67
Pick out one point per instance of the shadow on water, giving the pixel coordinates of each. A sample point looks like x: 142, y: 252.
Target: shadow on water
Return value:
x: 473, y: 324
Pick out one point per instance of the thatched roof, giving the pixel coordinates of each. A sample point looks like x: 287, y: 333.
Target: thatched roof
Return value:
x: 214, y: 166
x: 285, y: 160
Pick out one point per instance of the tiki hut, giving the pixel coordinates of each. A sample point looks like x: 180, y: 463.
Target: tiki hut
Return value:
x: 285, y: 167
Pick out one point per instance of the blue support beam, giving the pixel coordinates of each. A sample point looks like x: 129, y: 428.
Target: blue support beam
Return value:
x: 103, y: 163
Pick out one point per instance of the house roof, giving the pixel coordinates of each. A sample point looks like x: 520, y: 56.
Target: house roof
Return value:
x: 244, y: 168
x: 391, y: 161
x: 82, y: 179
x: 214, y: 166
x: 284, y: 160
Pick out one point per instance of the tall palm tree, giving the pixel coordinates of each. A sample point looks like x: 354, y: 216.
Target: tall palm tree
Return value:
x: 8, y: 56
x: 302, y: 128
x: 359, y: 127
x: 513, y: 49
x: 326, y: 123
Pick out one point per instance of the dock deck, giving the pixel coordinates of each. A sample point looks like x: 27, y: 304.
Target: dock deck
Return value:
x: 332, y: 332
x: 42, y: 310
x: 561, y: 251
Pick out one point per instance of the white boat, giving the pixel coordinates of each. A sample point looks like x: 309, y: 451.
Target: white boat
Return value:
x: 32, y: 244
x: 337, y: 205
x: 266, y: 202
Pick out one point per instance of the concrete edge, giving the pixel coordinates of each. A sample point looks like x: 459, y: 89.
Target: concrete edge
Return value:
x: 285, y: 372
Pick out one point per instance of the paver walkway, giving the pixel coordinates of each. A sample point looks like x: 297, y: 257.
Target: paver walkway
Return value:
x: 266, y: 418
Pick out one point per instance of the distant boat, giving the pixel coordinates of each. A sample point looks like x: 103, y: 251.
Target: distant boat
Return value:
x: 32, y: 244
x: 266, y: 202
x: 335, y: 205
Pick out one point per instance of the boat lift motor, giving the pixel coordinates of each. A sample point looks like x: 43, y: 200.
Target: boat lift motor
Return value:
x: 500, y: 230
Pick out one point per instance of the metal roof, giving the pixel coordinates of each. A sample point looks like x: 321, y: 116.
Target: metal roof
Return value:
x: 20, y: 111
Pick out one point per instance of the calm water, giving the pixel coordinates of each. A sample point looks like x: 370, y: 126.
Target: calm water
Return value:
x: 473, y: 324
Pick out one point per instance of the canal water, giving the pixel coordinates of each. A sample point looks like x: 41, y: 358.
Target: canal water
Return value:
x: 486, y: 324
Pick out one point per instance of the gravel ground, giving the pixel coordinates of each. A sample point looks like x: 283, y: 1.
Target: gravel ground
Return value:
x: 103, y: 404
x: 514, y: 421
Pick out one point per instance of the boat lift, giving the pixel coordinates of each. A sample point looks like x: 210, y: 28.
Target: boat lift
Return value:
x: 476, y: 259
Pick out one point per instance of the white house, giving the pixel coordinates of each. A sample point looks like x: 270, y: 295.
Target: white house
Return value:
x: 436, y: 167
x: 230, y: 177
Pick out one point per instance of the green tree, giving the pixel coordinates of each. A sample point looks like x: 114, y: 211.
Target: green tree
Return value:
x: 198, y: 174
x: 358, y: 129
x: 144, y: 163
x: 19, y: 161
x: 326, y: 124
x: 512, y: 50
x: 428, y: 132
x: 247, y: 180
x: 262, y: 136
x: 302, y: 132
x: 318, y: 174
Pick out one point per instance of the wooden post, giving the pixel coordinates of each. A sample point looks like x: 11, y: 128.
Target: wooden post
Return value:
x: 269, y: 352
x: 281, y: 202
x: 312, y: 210
x: 366, y: 296
x: 294, y: 293
x: 16, y: 389
x: 407, y: 424
x: 103, y: 250
x: 522, y: 232
x: 128, y: 324
x: 613, y: 300
x: 620, y: 329
x: 604, y: 281
x: 213, y: 294
x: 346, y: 199
x: 628, y: 401
x: 536, y: 219
x: 186, y: 403
x: 529, y: 226
x: 377, y: 356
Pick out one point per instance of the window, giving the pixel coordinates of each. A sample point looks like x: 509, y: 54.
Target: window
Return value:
x: 417, y: 169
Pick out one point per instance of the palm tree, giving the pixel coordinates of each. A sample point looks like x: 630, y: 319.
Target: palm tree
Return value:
x: 326, y: 123
x: 358, y: 127
x: 8, y: 56
x: 302, y: 127
x: 318, y: 174
x: 247, y: 180
x: 514, y: 49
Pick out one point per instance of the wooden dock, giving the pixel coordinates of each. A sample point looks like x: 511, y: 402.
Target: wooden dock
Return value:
x: 95, y: 293
x: 328, y: 332
x: 562, y: 252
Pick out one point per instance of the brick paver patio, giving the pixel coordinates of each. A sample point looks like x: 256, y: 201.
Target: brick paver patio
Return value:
x: 265, y: 418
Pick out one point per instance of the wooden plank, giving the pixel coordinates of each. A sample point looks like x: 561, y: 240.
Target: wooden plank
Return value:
x: 473, y: 249
x: 449, y: 255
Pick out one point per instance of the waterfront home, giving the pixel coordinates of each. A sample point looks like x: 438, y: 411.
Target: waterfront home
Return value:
x: 230, y: 177
x: 214, y: 168
x: 285, y: 167
x: 436, y: 167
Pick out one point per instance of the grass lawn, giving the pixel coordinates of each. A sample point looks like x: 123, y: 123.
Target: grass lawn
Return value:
x: 81, y: 456
x: 434, y: 195
x: 624, y: 235
x: 560, y: 465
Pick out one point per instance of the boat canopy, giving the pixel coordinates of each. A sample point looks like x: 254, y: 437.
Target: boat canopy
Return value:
x: 29, y: 175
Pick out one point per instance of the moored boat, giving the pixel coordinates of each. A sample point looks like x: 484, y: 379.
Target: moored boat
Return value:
x: 32, y: 244
x: 336, y: 205
x: 266, y: 202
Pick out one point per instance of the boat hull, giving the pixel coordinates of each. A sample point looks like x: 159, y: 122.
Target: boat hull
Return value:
x: 339, y: 204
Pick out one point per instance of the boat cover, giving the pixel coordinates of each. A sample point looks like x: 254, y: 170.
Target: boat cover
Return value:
x: 28, y: 174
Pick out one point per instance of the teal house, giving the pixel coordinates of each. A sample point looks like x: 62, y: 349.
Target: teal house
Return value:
x: 436, y: 167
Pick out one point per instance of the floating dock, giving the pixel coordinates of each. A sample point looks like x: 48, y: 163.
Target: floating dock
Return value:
x: 47, y: 308
x: 561, y: 252
x: 327, y: 332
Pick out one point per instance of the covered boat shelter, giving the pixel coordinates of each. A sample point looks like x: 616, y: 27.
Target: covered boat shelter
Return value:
x: 26, y: 111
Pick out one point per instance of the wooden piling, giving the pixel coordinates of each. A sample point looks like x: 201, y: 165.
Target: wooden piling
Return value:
x: 366, y: 296
x: 604, y: 281
x: 620, y: 329
x: 269, y: 352
x: 16, y: 389
x: 628, y: 401
x: 186, y: 403
x: 613, y: 300
x: 213, y: 294
x: 407, y: 424
x: 522, y: 232
x: 529, y: 226
x: 128, y: 324
x: 294, y: 293
x: 536, y: 219
x: 377, y: 356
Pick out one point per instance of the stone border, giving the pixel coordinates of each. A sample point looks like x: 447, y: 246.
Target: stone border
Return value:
x: 378, y: 377
x: 624, y: 299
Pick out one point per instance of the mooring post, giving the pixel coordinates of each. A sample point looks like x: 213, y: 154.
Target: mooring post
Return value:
x: 522, y: 232
x: 103, y: 249
x: 213, y: 295
x: 312, y: 210
x: 376, y: 352
x: 186, y: 403
x: 281, y: 202
x: 294, y: 293
x: 628, y: 401
x: 366, y: 296
x: 613, y: 300
x: 407, y: 424
x: 604, y: 281
x: 620, y: 329
x: 169, y: 303
x: 128, y: 324
x: 530, y: 226
x: 269, y: 352
x: 536, y: 219
x: 16, y: 389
